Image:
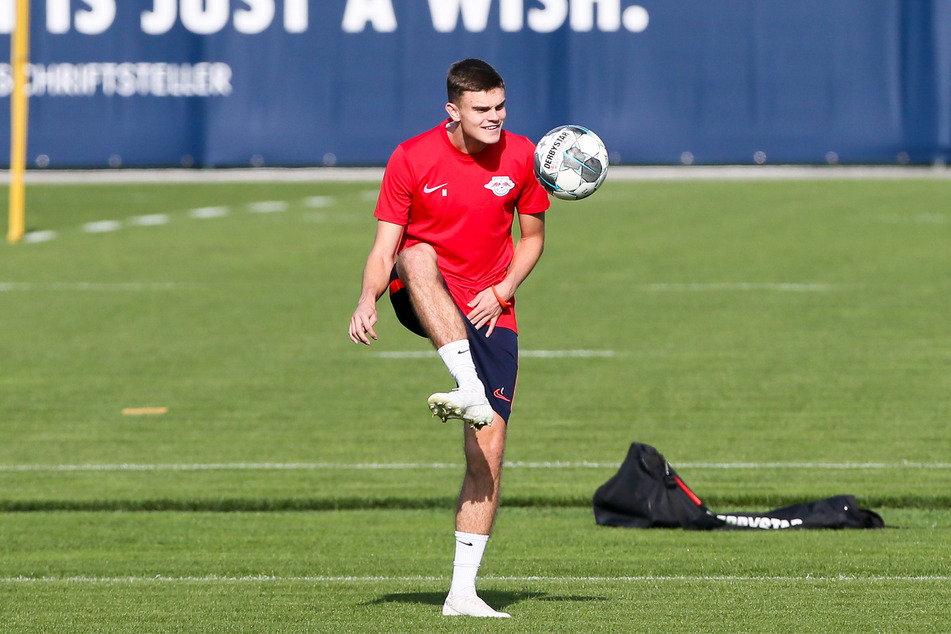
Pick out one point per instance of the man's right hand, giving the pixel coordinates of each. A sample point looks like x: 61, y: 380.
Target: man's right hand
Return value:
x: 361, y: 324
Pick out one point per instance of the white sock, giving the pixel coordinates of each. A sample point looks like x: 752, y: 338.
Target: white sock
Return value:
x: 458, y: 360
x: 465, y: 566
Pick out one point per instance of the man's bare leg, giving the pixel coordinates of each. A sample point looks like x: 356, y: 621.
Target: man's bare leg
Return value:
x: 437, y: 312
x: 479, y: 497
x: 441, y: 320
x: 475, y: 515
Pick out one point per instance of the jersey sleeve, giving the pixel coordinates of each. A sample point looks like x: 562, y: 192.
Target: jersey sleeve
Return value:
x: 532, y: 199
x: 396, y: 191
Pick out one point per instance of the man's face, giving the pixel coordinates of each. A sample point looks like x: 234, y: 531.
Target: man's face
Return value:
x: 480, y: 115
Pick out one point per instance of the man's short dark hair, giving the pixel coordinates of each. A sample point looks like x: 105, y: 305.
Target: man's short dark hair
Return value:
x: 471, y: 75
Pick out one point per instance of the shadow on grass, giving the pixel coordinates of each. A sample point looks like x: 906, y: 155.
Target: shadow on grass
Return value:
x: 497, y: 599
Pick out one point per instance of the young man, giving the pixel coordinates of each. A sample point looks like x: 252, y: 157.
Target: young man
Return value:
x: 444, y: 249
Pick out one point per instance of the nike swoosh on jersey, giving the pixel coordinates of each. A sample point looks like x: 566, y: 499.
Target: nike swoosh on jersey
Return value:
x: 428, y: 190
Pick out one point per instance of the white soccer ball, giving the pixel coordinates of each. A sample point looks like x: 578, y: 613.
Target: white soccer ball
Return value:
x: 571, y: 162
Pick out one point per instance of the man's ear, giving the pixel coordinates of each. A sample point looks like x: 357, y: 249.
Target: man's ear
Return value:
x: 453, y: 111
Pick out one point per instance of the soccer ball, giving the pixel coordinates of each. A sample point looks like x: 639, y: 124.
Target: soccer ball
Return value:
x: 571, y: 162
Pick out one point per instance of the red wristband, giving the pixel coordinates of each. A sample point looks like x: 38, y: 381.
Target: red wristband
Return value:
x: 504, y: 304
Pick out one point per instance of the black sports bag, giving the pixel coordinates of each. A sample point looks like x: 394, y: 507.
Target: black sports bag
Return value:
x: 646, y: 492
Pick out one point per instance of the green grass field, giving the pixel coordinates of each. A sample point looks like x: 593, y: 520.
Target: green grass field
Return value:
x: 779, y: 341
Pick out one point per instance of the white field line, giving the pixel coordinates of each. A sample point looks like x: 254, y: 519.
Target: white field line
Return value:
x: 375, y: 174
x: 101, y: 226
x: 497, y: 579
x: 424, y: 354
x: 268, y: 206
x: 737, y: 286
x: 39, y: 236
x: 405, y: 466
x: 202, y: 213
x: 558, y: 354
x: 316, y: 202
x: 920, y: 219
x: 527, y: 354
x: 93, y: 286
x: 149, y: 220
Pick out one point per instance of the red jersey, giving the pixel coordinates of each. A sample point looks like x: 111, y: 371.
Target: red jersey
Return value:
x: 463, y: 205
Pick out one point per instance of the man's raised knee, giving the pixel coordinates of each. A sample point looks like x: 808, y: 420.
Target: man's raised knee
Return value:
x: 419, y: 259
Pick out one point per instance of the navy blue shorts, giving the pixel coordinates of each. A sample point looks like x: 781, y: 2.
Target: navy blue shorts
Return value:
x: 495, y: 357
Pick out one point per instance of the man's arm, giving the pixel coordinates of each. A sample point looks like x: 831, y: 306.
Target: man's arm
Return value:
x: 485, y: 307
x: 376, y: 278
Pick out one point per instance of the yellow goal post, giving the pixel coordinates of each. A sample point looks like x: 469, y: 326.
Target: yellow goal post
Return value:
x: 19, y: 109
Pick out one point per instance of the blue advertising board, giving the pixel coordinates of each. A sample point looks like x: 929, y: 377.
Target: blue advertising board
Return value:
x: 209, y: 83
